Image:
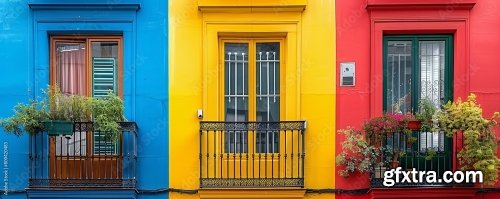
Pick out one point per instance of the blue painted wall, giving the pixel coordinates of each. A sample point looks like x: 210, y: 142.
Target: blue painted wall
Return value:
x: 24, y: 65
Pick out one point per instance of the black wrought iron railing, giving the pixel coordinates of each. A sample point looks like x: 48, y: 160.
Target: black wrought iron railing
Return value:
x: 252, y: 154
x: 85, y: 158
x: 419, y: 151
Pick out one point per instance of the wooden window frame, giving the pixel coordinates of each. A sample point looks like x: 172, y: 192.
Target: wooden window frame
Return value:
x: 87, y: 41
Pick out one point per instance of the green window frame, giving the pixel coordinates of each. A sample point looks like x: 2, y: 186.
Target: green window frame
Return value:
x: 441, y: 161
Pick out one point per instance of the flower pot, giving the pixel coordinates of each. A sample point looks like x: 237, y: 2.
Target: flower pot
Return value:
x: 394, y: 164
x: 58, y: 127
x: 414, y: 125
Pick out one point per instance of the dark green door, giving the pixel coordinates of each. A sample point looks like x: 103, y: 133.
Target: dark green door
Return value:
x: 420, y: 67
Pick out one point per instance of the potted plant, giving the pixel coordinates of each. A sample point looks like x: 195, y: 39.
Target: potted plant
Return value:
x: 357, y: 154
x: 414, y: 124
x: 479, y: 151
x: 384, y: 126
x: 57, y: 113
x: 64, y: 110
x: 392, y: 156
x: 426, y: 110
x: 410, y: 139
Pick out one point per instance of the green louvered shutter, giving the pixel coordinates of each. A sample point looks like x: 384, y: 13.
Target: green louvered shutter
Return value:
x: 103, y: 81
x: 104, y: 76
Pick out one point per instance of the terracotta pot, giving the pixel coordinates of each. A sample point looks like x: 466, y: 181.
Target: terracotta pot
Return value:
x: 414, y: 125
x: 394, y: 164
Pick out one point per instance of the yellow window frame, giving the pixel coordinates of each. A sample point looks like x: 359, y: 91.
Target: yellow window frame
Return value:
x: 252, y: 84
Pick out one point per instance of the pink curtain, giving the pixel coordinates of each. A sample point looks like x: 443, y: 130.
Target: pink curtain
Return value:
x: 70, y: 68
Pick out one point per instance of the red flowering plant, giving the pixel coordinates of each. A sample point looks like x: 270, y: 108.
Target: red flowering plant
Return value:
x: 386, y: 125
x: 362, y: 150
x: 379, y: 128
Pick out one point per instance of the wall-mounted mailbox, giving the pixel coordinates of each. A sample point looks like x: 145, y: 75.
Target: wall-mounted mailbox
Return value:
x: 347, y: 74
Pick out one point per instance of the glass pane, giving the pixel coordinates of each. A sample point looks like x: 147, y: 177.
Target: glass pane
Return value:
x: 268, y: 81
x: 432, y: 62
x: 399, y: 76
x: 70, y: 77
x: 105, y: 49
x: 70, y: 68
x: 104, y: 61
x: 104, y: 66
x: 236, y: 94
x: 268, y: 94
x: 236, y: 81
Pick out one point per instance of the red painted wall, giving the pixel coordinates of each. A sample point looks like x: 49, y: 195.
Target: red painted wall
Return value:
x: 485, y: 62
x: 485, y: 54
x: 359, y: 32
x: 353, y: 44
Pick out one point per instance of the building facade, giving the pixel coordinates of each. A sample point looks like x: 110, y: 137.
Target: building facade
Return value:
x: 450, y: 44
x: 252, y: 99
x: 238, y: 99
x: 86, y: 47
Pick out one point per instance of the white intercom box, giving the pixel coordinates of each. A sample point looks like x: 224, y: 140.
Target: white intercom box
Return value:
x: 347, y: 74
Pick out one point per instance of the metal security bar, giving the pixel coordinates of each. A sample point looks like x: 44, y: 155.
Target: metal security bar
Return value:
x: 236, y: 95
x: 268, y: 95
x: 237, y: 168
x: 68, y: 161
x: 428, y: 151
x: 432, y: 71
x: 399, y: 76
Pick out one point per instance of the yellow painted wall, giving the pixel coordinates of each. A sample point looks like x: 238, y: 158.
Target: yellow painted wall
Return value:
x: 310, y: 76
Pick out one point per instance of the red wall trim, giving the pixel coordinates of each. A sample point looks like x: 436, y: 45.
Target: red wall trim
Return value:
x: 420, y: 4
x: 385, y: 22
x: 423, y: 193
x: 361, y: 25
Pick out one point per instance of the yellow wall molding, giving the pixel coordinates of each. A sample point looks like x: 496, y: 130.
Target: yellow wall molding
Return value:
x: 251, y: 5
x: 218, y: 26
x: 309, y: 47
x: 252, y: 193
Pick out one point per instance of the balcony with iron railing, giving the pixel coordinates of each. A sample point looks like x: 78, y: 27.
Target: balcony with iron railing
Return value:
x: 252, y: 154
x: 84, y: 159
x: 419, y: 151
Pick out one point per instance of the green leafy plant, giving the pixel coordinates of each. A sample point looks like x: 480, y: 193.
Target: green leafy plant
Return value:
x: 106, y: 113
x: 425, y: 113
x: 430, y: 153
x: 392, y: 156
x: 480, y: 143
x: 73, y: 108
x: 27, y: 117
x: 357, y: 154
x: 410, y: 139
